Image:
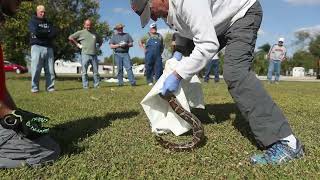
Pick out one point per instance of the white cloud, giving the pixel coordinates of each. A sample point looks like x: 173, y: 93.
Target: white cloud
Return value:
x: 303, y: 2
x: 121, y: 11
x: 313, y: 31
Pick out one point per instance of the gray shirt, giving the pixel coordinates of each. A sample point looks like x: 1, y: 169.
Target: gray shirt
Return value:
x: 118, y: 38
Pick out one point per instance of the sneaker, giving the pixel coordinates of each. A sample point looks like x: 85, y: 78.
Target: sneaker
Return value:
x: 51, y: 90
x: 278, y: 153
x: 150, y: 84
x: 133, y: 84
x: 34, y: 90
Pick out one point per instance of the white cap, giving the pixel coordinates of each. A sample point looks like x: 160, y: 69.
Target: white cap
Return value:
x: 281, y: 39
x: 153, y: 25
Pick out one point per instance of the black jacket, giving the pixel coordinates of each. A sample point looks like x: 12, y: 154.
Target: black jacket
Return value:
x: 42, y: 32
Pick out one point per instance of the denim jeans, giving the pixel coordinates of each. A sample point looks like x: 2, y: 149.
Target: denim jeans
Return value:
x: 274, y: 66
x: 42, y: 57
x: 154, y: 67
x: 215, y: 64
x: 123, y: 60
x: 87, y: 59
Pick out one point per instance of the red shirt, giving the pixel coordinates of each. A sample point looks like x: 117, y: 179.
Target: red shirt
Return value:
x: 2, y: 76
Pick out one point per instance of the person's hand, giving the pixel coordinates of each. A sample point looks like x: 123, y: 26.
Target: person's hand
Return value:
x: 171, y: 84
x: 79, y: 45
x: 123, y: 44
x: 177, y: 55
x: 30, y: 124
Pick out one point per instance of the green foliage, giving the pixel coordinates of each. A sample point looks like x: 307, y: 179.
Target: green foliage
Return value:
x: 260, y: 63
x: 66, y: 15
x: 104, y: 134
x: 134, y: 60
x: 137, y: 60
x: 314, y: 47
x: 303, y: 59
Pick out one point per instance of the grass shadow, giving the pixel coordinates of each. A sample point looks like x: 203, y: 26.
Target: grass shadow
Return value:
x: 217, y: 113
x: 70, y: 133
x: 220, y: 113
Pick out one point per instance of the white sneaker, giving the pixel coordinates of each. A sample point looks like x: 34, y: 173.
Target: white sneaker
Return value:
x: 150, y: 84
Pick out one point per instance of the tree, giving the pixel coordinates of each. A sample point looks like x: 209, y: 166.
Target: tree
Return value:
x: 260, y: 63
x: 66, y: 15
x: 314, y: 49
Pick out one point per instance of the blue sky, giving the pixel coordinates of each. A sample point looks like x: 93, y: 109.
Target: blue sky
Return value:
x: 281, y: 18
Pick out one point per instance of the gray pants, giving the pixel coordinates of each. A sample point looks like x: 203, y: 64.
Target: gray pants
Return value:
x: 16, y: 150
x: 266, y: 120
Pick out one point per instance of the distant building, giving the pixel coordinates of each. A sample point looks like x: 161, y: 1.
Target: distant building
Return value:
x: 298, y: 72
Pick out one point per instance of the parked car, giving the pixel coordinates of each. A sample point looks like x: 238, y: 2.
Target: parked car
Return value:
x: 9, y: 67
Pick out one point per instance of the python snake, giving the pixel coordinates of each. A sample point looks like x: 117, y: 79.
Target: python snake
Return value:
x: 197, y: 128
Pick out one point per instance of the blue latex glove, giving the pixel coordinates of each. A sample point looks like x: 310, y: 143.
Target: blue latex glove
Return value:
x: 177, y: 55
x: 171, y: 84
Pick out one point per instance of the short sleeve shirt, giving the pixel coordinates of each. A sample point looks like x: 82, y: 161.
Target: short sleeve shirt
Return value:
x: 88, y: 40
x: 118, y: 38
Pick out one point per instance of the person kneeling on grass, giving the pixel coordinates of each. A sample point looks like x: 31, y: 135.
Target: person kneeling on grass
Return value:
x: 23, y: 140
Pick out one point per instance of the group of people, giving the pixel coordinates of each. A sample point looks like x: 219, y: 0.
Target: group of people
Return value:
x: 210, y: 25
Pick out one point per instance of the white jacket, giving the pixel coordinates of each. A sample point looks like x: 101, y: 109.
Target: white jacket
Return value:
x: 202, y: 21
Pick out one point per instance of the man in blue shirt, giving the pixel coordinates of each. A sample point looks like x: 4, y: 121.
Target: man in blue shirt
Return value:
x: 42, y: 35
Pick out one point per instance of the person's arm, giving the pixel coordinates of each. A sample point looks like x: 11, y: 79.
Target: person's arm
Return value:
x: 113, y: 44
x: 204, y: 37
x: 142, y: 42
x: 162, y: 44
x: 73, y: 39
x: 284, y: 54
x: 130, y: 41
x: 271, y: 49
x: 32, y: 28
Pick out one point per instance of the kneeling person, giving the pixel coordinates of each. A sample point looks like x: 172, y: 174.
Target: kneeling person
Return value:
x: 23, y: 140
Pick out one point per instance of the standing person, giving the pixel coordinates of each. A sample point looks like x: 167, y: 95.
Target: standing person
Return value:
x: 214, y: 63
x: 276, y: 55
x: 87, y: 41
x: 42, y: 35
x: 19, y: 144
x: 120, y: 43
x: 153, y: 46
x: 318, y: 68
x: 232, y: 24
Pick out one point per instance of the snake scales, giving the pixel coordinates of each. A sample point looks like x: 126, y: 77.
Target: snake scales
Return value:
x: 197, y: 128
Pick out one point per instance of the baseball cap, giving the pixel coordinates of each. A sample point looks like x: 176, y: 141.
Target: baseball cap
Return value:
x: 142, y: 8
x: 118, y: 26
x: 153, y: 25
x: 281, y: 39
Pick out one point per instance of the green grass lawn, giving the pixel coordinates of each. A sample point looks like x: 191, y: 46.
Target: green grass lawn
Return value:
x: 104, y: 134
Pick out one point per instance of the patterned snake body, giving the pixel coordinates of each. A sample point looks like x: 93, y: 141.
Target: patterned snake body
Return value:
x: 197, y: 128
